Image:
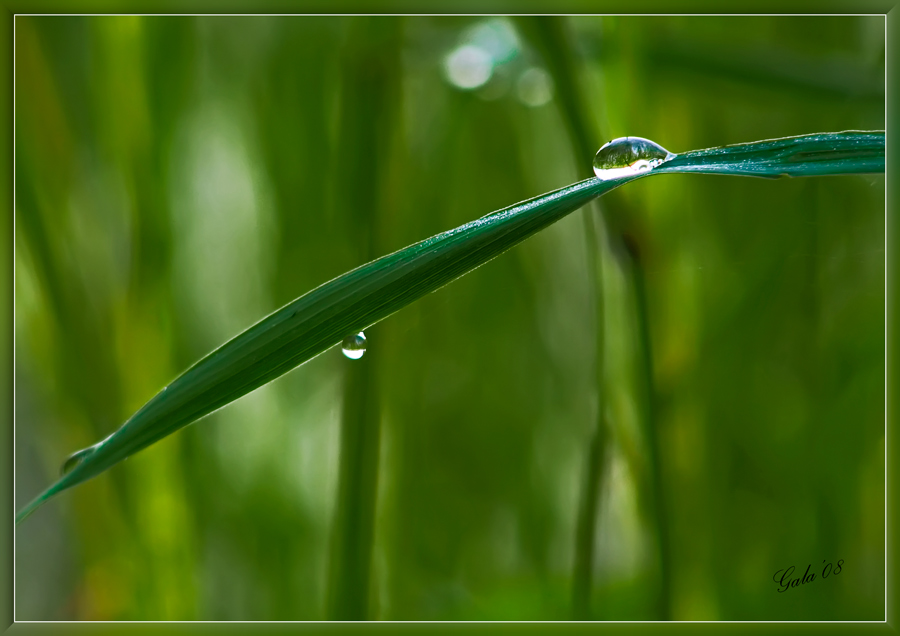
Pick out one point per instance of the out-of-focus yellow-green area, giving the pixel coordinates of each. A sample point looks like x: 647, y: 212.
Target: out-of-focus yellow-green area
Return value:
x: 179, y: 178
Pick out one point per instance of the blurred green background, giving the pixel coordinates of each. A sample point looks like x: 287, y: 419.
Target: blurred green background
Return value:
x: 179, y: 178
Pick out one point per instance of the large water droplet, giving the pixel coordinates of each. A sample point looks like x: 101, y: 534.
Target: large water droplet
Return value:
x: 626, y: 156
x: 354, y: 346
x: 74, y: 459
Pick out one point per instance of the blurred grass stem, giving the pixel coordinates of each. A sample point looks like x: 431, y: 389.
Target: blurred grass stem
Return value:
x: 369, y: 97
x: 646, y: 400
x: 551, y: 37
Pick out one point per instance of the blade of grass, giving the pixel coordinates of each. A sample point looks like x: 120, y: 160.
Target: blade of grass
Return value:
x: 820, y: 154
x: 353, y: 533
x: 353, y: 301
x: 646, y: 401
x: 371, y: 88
x: 549, y: 35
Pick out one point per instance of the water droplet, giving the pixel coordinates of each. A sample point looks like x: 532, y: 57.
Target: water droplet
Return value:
x: 627, y: 156
x: 354, y: 346
x: 75, y: 458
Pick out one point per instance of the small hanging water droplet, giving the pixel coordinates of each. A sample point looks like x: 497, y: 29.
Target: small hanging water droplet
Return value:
x: 354, y: 346
x: 627, y: 156
x: 74, y: 459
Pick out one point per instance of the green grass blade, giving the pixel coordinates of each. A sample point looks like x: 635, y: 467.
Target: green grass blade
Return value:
x: 353, y: 301
x: 370, y: 97
x: 648, y: 408
x: 550, y: 35
x: 820, y: 154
